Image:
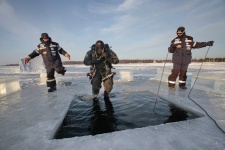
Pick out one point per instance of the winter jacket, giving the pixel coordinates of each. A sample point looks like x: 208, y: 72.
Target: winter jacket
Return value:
x: 99, y: 62
x: 183, y: 55
x: 50, y: 53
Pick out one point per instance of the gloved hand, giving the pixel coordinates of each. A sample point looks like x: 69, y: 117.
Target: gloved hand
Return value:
x: 67, y: 55
x: 26, y: 60
x: 178, y: 45
x: 106, y: 55
x: 209, y: 43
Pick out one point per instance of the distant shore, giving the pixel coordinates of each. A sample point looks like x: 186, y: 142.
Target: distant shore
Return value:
x: 126, y: 61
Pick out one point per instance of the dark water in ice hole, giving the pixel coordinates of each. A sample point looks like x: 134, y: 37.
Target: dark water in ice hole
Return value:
x: 121, y: 111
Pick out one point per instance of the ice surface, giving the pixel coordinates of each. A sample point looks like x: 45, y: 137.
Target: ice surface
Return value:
x: 30, y: 117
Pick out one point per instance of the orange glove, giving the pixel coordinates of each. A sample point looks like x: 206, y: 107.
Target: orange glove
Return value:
x: 26, y: 60
x: 67, y: 55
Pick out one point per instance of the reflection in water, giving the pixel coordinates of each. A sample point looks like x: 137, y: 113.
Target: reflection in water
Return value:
x: 129, y: 111
x: 177, y: 114
x: 102, y: 121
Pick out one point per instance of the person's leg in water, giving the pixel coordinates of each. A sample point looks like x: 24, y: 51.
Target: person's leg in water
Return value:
x: 96, y: 84
x: 108, y: 86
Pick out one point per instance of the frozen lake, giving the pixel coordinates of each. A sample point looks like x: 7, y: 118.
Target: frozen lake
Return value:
x: 30, y: 116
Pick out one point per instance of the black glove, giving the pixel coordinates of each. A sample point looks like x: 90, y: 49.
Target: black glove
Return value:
x: 106, y: 55
x: 209, y: 43
x: 175, y: 45
x: 171, y: 49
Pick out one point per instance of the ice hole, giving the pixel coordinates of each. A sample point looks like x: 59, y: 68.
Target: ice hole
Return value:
x: 120, y: 111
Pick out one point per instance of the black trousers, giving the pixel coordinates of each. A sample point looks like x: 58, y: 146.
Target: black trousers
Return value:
x: 178, y: 70
x: 51, y: 82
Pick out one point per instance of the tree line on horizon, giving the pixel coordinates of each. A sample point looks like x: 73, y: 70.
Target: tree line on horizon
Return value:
x: 126, y: 61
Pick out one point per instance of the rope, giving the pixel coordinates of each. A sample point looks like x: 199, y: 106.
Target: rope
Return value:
x: 160, y: 81
x: 190, y: 91
x: 196, y: 102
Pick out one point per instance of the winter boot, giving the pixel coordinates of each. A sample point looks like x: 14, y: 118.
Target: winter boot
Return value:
x: 52, y: 89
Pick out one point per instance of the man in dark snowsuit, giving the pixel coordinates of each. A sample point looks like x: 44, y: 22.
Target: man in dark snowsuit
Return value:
x: 50, y: 54
x: 181, y: 48
x: 100, y: 58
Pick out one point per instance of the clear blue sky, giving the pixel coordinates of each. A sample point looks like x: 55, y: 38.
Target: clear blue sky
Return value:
x: 136, y: 29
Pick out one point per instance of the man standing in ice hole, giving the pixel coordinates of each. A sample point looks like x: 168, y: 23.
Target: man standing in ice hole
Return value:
x: 181, y: 48
x: 50, y: 54
x: 100, y: 59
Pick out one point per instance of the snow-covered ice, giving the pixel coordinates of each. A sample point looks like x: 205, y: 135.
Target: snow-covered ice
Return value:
x: 30, y: 117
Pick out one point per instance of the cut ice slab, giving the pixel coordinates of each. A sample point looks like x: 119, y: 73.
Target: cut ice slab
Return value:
x: 35, y: 65
x: 9, y: 85
x: 126, y: 76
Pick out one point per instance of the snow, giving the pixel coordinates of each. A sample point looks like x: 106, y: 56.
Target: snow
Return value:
x: 30, y: 117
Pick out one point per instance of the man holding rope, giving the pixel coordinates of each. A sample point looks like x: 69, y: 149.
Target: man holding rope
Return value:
x: 181, y: 48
